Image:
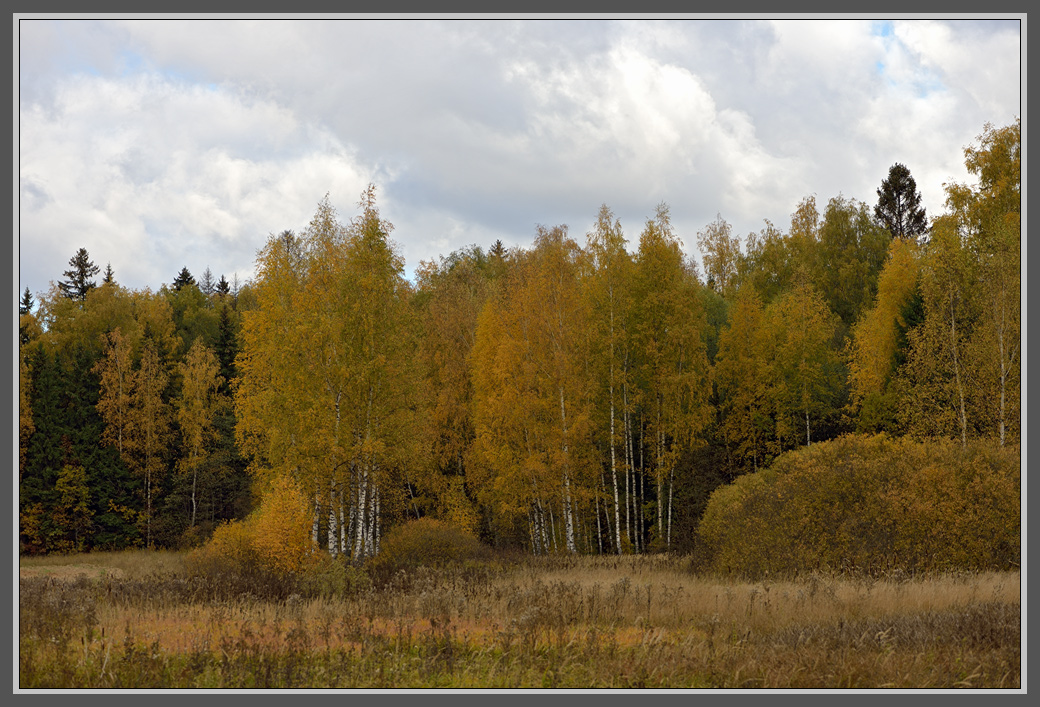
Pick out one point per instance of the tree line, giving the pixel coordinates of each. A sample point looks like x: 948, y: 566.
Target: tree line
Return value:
x: 580, y: 395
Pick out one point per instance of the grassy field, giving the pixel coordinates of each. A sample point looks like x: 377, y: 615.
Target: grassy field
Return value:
x: 137, y: 620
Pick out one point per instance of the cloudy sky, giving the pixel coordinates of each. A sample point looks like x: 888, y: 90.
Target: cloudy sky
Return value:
x: 159, y: 144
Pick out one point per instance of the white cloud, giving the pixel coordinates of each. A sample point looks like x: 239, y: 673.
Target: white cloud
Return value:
x: 194, y: 140
x: 153, y: 175
x: 982, y: 73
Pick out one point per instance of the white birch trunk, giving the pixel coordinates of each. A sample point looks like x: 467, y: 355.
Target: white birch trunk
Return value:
x: 629, y: 469
x: 314, y: 525
x: 671, y: 488
x: 342, y: 525
x: 613, y: 471
x: 568, y: 512
x: 659, y: 442
x: 359, y: 538
x: 641, y: 478
x: 333, y: 534
x: 370, y: 532
x: 379, y: 523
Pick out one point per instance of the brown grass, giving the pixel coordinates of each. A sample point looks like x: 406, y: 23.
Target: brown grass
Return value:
x: 556, y: 622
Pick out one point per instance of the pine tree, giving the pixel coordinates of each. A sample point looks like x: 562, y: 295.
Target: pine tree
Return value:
x: 453, y: 292
x: 81, y: 269
x: 899, y: 204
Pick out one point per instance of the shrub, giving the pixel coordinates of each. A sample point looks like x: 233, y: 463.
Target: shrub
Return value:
x: 274, y: 539
x: 423, y: 543
x: 281, y: 528
x: 869, y: 503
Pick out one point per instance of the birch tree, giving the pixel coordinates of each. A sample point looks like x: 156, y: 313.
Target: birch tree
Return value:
x: 532, y: 395
x: 609, y: 291
x: 200, y: 375
x: 149, y: 428
x: 327, y: 372
x: 669, y: 328
x: 743, y: 380
x: 799, y: 333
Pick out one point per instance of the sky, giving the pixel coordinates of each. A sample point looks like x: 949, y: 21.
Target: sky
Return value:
x: 161, y: 144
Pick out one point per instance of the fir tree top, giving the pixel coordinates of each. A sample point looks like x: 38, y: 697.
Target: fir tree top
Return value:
x: 81, y: 269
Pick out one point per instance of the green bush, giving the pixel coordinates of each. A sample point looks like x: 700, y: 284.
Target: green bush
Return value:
x: 869, y: 504
x: 423, y: 543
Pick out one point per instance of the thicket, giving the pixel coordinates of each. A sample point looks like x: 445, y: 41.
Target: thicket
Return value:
x: 870, y: 504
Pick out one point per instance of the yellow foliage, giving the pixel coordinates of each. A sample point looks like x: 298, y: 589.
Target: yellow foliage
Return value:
x: 870, y: 503
x: 873, y: 346
x: 281, y: 527
x: 275, y: 538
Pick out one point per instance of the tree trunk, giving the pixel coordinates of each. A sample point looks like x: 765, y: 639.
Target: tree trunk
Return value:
x: 194, y: 481
x: 342, y: 526
x: 671, y: 487
x: 640, y: 477
x: 333, y: 534
x: 613, y: 471
x: 314, y: 523
x: 568, y: 511
x: 659, y: 471
x: 629, y: 468
x: 599, y: 529
x: 359, y: 538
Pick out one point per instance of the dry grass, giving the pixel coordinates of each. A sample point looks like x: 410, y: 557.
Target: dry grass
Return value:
x: 134, y: 564
x: 556, y: 622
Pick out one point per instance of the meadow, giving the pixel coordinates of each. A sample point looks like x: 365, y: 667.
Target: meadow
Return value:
x: 142, y: 619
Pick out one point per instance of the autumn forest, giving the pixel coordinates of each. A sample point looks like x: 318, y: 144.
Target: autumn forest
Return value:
x: 595, y: 393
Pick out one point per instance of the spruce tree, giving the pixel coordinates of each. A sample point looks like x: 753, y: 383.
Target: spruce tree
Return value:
x: 183, y: 279
x: 899, y: 204
x: 81, y: 269
x: 25, y: 305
